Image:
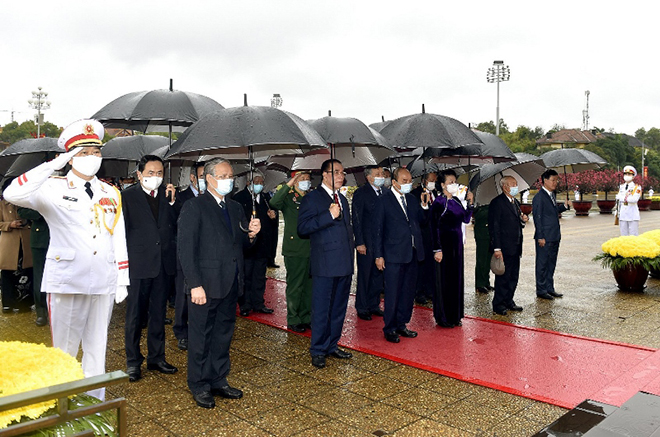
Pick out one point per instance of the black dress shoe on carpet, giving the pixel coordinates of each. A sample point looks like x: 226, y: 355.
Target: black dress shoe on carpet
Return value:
x: 318, y: 361
x: 392, y: 337
x: 490, y: 288
x: 244, y: 313
x: 343, y: 355
x: 296, y: 328
x: 378, y: 313
x: 444, y: 324
x: 406, y: 333
x: 162, y: 367
x: 501, y: 312
x: 168, y: 321
x: 273, y: 266
x: 204, y: 399
x: 41, y: 321
x: 421, y: 300
x: 171, y: 305
x: 555, y: 294
x: 7, y: 309
x: 515, y: 307
x: 265, y: 310
x: 306, y: 326
x: 364, y: 316
x: 182, y: 344
x: 545, y: 296
x: 483, y: 290
x: 227, y: 392
x: 134, y: 373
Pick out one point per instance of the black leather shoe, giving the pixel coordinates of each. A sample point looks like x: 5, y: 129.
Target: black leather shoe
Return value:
x: 134, y: 373
x: 343, y: 355
x: 227, y: 392
x: 265, y: 310
x: 555, y: 294
x: 182, y: 344
x: 364, y: 316
x: 168, y: 321
x: 204, y: 399
x: 405, y: 332
x: 7, y: 309
x: 421, y: 300
x: 273, y: 266
x: 318, y: 361
x: 444, y: 324
x: 392, y: 337
x: 378, y: 313
x: 41, y: 321
x: 483, y: 290
x: 306, y: 326
x: 501, y: 312
x: 245, y: 313
x: 171, y: 305
x: 545, y: 296
x: 515, y: 307
x: 490, y: 288
x: 162, y: 367
x: 296, y: 328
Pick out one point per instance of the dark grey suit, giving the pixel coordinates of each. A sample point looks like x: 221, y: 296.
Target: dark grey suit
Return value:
x: 545, y: 211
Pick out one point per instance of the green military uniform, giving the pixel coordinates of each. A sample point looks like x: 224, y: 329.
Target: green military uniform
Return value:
x: 296, y: 257
x: 482, y: 238
x: 39, y: 239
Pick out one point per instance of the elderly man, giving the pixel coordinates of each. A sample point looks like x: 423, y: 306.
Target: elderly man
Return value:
x: 87, y: 261
x: 213, y: 232
x: 255, y: 204
x: 324, y: 217
x: 369, y: 278
x: 506, y: 222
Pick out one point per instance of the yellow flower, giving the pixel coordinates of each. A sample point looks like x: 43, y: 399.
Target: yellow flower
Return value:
x: 652, y: 235
x: 632, y: 246
x: 28, y: 366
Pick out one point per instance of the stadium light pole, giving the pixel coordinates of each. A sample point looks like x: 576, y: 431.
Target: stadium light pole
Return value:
x: 496, y: 74
x: 39, y: 102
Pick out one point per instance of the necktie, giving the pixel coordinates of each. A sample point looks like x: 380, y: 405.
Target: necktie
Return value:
x: 153, y: 193
x: 88, y: 189
x: 554, y: 199
x: 379, y: 192
x: 405, y: 205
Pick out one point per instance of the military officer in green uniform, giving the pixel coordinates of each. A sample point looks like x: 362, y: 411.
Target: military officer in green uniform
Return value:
x: 296, y: 252
x: 482, y: 238
x: 39, y: 238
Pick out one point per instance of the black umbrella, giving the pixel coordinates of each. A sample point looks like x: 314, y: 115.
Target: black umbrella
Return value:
x: 121, y: 154
x: 572, y: 161
x: 37, y: 146
x: 493, y: 150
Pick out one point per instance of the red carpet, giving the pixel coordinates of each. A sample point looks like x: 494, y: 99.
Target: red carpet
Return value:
x: 538, y: 364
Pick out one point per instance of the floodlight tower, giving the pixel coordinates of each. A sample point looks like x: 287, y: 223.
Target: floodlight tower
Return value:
x: 39, y: 102
x: 498, y: 73
x: 276, y: 101
x: 585, y: 113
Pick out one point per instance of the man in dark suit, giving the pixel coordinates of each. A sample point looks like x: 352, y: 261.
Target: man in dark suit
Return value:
x: 39, y: 238
x: 197, y: 186
x: 256, y: 201
x: 505, y: 223
x: 399, y: 247
x: 369, y: 278
x: 150, y: 219
x: 426, y: 277
x: 547, y: 234
x: 324, y: 217
x: 213, y: 232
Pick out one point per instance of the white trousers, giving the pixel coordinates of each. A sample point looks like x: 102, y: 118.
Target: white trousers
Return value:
x: 629, y: 227
x: 76, y: 318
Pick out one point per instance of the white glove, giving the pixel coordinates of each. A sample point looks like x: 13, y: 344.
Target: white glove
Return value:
x: 121, y: 294
x: 59, y: 162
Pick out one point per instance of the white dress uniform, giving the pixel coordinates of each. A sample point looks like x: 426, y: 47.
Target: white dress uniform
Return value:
x: 628, y: 195
x: 86, y: 262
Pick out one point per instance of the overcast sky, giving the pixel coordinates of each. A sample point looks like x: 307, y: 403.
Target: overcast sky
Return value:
x: 363, y: 59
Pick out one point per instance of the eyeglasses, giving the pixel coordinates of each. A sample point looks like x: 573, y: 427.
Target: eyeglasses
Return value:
x: 337, y: 173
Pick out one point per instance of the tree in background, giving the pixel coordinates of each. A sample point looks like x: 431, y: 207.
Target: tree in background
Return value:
x: 13, y: 131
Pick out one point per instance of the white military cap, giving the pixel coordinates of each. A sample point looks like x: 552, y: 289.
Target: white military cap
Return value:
x: 630, y: 169
x: 81, y: 133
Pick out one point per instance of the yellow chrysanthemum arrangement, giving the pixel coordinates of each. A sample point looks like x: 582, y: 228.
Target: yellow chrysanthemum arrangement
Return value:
x: 28, y: 366
x: 622, y: 252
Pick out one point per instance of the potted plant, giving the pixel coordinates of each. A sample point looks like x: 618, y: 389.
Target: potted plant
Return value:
x: 646, y: 184
x: 583, y: 183
x: 630, y: 258
x: 655, y: 236
x: 655, y: 203
x: 606, y: 181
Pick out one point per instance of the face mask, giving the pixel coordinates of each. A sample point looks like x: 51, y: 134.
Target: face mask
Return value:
x: 452, y: 189
x: 256, y: 189
x: 87, y: 165
x: 201, y: 183
x: 225, y: 186
x: 514, y: 191
x: 406, y: 188
x: 152, y: 182
x: 304, y: 185
x: 388, y: 182
x: 379, y: 182
x: 627, y: 178
x: 124, y: 186
x: 430, y: 186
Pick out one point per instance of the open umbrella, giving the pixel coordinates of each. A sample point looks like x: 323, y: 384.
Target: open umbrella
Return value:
x: 493, y: 150
x: 572, y: 161
x: 37, y: 146
x: 486, y: 181
x: 121, y: 154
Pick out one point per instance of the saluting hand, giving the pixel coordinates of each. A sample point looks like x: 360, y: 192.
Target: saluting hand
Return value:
x: 293, y: 180
x: 254, y: 227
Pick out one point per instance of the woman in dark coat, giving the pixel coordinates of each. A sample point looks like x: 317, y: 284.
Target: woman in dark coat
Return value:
x: 447, y: 217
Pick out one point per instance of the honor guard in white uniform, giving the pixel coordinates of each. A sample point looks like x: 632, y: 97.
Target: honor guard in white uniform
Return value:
x: 629, y: 194
x: 87, y: 261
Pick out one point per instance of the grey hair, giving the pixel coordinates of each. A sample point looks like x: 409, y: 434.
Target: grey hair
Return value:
x: 505, y: 178
x: 209, y: 167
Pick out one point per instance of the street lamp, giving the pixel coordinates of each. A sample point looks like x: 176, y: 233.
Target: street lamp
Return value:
x: 498, y: 73
x: 39, y: 102
x: 276, y: 101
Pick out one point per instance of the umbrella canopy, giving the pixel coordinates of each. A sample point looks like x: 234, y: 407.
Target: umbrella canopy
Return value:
x: 133, y: 148
x: 149, y: 111
x: 312, y: 161
x: 247, y: 132
x: 417, y: 168
x: 486, y: 181
x: 39, y: 146
x: 572, y: 160
x: 26, y: 162
x: 493, y: 150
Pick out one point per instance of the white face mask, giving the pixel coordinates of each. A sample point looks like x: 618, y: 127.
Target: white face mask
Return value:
x: 452, y: 188
x: 430, y: 186
x: 406, y: 188
x: 379, y: 182
x: 224, y: 186
x: 152, y: 182
x: 304, y: 185
x: 628, y: 178
x: 201, y: 185
x: 388, y: 182
x: 87, y: 165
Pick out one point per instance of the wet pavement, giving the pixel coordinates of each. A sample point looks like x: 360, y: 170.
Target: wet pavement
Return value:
x: 368, y: 395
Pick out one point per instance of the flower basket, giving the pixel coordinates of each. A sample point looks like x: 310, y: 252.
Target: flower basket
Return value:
x: 582, y: 207
x: 526, y: 208
x: 631, y: 258
x: 644, y: 204
x: 655, y: 205
x: 606, y: 206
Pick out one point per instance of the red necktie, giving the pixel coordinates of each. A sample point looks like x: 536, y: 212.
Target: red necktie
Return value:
x: 153, y: 193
